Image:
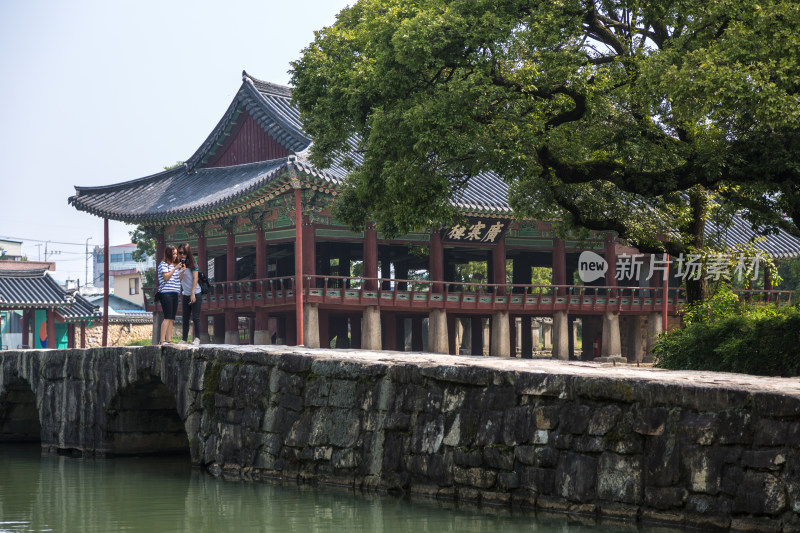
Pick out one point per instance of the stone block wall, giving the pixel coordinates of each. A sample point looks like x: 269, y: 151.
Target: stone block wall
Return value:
x: 119, y: 334
x: 675, y: 448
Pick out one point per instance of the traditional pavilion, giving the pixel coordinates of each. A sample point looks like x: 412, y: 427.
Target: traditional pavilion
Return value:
x: 257, y: 213
x: 50, y: 315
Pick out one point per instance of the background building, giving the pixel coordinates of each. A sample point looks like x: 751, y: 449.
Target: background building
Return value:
x: 126, y: 275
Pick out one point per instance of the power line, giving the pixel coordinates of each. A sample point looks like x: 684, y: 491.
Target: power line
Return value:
x: 40, y: 240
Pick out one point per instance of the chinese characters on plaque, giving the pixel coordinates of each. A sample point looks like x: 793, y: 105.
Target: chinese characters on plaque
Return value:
x: 477, y: 230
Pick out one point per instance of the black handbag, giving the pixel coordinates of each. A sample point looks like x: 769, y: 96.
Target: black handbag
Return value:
x: 157, y: 297
x: 202, y: 280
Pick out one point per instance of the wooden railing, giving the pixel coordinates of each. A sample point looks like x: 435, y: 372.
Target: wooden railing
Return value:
x: 399, y: 294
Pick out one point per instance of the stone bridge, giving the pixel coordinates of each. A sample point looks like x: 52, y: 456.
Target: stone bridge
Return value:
x: 682, y: 448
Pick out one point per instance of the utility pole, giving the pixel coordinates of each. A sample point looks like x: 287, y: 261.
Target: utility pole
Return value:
x: 39, y: 246
x: 86, y: 274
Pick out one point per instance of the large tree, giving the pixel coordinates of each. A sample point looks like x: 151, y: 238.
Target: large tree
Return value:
x: 636, y: 117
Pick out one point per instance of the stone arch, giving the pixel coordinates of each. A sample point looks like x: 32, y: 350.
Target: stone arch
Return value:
x: 143, y: 419
x: 19, y: 416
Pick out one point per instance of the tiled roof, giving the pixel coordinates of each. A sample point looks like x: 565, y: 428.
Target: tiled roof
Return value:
x: 30, y: 288
x: 81, y: 310
x: 177, y: 192
x: 780, y: 245
x: 34, y: 289
x: 191, y: 191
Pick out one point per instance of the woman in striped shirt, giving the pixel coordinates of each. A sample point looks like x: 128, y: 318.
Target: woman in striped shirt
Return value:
x: 169, y: 277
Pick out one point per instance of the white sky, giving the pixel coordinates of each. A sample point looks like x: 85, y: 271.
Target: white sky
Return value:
x: 99, y: 92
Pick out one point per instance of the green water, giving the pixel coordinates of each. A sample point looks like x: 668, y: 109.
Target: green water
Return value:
x: 65, y: 494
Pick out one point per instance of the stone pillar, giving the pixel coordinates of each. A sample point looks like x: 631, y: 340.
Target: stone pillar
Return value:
x: 371, y: 328
x: 261, y: 334
x: 158, y: 316
x: 634, y: 338
x: 592, y: 331
x: 476, y: 335
x: 311, y: 325
x: 525, y: 335
x: 370, y: 259
x: 571, y: 336
x: 231, y: 327
x: 576, y: 322
x: 536, y: 343
x: 416, y: 334
x: 612, y: 347
x: 654, y: 325
x: 437, y: 331
x: 487, y: 337
x: 500, y: 340
x: 560, y: 335
x: 453, y: 341
x: 204, y: 336
x: 547, y: 335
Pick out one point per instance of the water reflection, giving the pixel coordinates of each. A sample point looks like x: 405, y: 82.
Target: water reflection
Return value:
x: 55, y: 493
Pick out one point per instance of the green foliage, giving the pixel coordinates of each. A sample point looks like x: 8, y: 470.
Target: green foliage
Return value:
x: 722, y: 304
x: 726, y: 335
x: 789, y: 271
x: 145, y: 240
x: 646, y: 119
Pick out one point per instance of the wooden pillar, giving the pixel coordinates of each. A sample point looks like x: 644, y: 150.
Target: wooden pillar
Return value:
x: 161, y: 245
x: 386, y: 269
x: 261, y: 332
x: 767, y: 281
x: 559, y: 264
x: 436, y: 261
x: 83, y: 334
x: 499, y: 265
x: 261, y: 256
x: 231, y: 327
x: 70, y: 336
x: 106, y: 289
x: 230, y: 251
x: 309, y: 251
x: 202, y: 253
x: 611, y: 259
x: 370, y: 258
x: 298, y: 274
x: 51, y: 329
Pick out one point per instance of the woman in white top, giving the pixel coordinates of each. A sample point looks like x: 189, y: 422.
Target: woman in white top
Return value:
x: 169, y: 278
x: 190, y: 292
